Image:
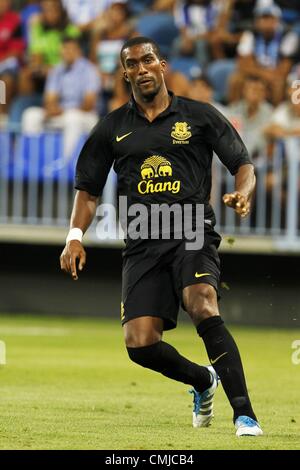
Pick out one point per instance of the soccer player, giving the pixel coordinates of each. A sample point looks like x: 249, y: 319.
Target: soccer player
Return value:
x: 161, y: 147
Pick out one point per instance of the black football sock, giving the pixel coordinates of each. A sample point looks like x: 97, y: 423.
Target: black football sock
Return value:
x: 163, y: 358
x: 225, y: 358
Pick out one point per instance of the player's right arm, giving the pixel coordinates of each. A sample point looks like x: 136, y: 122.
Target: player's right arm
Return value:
x: 92, y: 169
x: 84, y: 210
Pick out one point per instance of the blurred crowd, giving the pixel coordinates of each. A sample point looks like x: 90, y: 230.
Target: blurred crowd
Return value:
x: 59, y: 60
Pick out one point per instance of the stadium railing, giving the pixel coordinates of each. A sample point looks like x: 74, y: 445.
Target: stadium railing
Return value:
x: 36, y: 195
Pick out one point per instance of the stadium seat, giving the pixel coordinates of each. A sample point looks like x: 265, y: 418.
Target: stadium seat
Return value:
x: 218, y: 73
x: 37, y: 158
x: 161, y: 28
x: 188, y: 66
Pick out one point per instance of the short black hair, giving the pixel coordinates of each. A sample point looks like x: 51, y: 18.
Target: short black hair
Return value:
x: 140, y: 40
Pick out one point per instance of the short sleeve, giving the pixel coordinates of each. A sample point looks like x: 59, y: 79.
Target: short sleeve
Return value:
x: 53, y: 82
x: 95, y: 161
x: 289, y: 45
x: 280, y: 116
x: 35, y: 38
x: 92, y: 83
x: 225, y: 140
x: 246, y: 44
x: 72, y: 31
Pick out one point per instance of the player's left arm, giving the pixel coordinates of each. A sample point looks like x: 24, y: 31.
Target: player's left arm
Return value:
x: 240, y: 199
x: 231, y: 150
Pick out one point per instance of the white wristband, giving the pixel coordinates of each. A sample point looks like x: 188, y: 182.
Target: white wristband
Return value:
x: 75, y: 234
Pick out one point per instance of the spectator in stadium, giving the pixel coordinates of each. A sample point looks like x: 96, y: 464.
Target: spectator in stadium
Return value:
x: 11, y: 49
x: 88, y: 16
x: 201, y: 89
x: 108, y: 40
x: 207, y: 36
x: 70, y: 99
x: 250, y: 115
x: 138, y: 7
x: 157, y: 22
x: 31, y: 8
x: 267, y: 52
x: 203, y: 28
x: 46, y: 32
x: 85, y: 13
x: 290, y: 9
x: 285, y: 121
x: 242, y: 15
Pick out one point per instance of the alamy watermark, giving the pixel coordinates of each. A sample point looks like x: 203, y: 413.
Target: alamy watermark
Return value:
x: 296, y: 354
x: 2, y: 92
x: 296, y: 94
x: 154, y: 221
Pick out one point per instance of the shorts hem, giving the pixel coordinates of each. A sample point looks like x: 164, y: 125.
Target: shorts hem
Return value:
x: 168, y: 323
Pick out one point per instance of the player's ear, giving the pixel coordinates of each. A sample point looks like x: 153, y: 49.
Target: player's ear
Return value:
x: 163, y: 65
x: 125, y: 76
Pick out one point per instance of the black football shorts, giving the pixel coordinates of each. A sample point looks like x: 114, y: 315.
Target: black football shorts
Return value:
x: 154, y: 278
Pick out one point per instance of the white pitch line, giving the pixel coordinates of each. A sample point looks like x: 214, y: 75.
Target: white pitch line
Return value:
x: 33, y: 331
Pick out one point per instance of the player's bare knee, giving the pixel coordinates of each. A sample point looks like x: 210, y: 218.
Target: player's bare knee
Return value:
x: 143, y: 331
x: 201, y: 311
x: 201, y: 303
x: 135, y: 339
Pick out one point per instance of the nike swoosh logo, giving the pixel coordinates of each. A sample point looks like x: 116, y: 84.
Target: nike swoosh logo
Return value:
x: 202, y: 275
x: 118, y: 139
x: 213, y: 361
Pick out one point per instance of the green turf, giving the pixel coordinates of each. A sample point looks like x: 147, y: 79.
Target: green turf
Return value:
x: 69, y: 385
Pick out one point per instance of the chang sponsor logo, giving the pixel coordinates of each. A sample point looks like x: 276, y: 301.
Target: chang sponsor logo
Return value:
x: 155, y: 167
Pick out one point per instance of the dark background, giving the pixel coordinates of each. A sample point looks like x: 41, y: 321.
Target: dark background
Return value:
x: 260, y: 289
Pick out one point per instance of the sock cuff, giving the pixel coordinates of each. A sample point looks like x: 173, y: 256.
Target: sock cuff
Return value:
x: 209, y: 323
x: 149, y: 348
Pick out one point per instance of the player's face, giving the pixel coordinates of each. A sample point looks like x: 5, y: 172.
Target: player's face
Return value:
x: 143, y: 70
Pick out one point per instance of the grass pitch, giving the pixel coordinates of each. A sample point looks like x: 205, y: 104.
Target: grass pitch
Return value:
x: 68, y: 384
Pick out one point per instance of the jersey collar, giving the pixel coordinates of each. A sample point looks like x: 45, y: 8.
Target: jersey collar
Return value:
x: 172, y: 108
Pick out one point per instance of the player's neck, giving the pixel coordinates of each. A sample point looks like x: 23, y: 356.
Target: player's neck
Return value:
x: 151, y: 109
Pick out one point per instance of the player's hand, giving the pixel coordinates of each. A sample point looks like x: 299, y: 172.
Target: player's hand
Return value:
x: 238, y: 202
x: 73, y: 251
